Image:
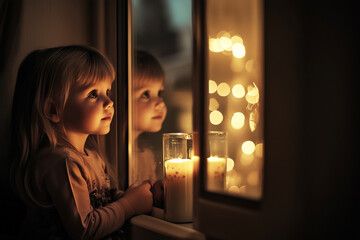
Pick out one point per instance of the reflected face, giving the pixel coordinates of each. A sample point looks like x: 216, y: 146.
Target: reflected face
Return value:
x: 149, y: 107
x: 89, y: 110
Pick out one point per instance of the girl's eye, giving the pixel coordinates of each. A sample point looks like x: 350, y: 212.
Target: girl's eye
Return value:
x: 145, y: 95
x: 93, y: 94
x: 161, y: 93
x: 108, y: 92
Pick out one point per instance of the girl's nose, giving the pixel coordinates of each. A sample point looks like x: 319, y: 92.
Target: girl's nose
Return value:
x: 108, y: 103
x: 160, y: 104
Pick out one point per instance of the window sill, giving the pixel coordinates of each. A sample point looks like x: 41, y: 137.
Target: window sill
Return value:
x: 154, y: 227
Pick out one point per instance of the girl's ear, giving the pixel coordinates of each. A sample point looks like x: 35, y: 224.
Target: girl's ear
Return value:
x: 51, y: 112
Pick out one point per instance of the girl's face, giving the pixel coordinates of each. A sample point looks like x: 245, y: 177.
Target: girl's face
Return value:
x: 89, y: 110
x: 149, y: 107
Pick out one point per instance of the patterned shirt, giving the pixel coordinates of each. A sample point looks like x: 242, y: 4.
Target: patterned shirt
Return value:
x: 71, y: 196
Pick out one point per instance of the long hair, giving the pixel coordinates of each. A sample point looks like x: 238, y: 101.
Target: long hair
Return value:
x: 44, y: 75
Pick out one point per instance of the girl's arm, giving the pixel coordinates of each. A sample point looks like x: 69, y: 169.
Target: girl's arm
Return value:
x: 68, y: 189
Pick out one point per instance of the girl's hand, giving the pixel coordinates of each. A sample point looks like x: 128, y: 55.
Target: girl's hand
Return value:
x: 158, y: 194
x: 137, y: 199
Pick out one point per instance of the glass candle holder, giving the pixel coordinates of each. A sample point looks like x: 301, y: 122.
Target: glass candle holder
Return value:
x: 179, y: 171
x: 216, y: 162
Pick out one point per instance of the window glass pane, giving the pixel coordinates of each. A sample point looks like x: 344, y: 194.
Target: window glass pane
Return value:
x: 236, y: 97
x: 162, y: 29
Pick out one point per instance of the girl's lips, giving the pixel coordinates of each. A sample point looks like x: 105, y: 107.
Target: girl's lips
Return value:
x: 106, y: 118
x: 157, y: 117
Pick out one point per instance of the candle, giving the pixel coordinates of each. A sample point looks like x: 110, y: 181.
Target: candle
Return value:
x: 216, y: 169
x: 179, y: 190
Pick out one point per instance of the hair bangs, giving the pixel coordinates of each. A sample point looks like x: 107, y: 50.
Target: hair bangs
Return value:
x: 144, y: 79
x: 94, y: 68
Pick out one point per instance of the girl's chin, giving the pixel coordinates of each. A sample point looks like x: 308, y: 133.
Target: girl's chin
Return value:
x: 154, y: 130
x: 104, y: 132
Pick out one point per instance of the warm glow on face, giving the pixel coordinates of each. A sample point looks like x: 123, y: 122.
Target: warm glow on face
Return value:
x: 237, y: 120
x: 238, y: 50
x: 248, y: 147
x: 213, y: 104
x: 216, y: 117
x: 215, y: 45
x: 238, y: 91
x: 212, y: 86
x: 252, y: 95
x: 229, y: 164
x: 223, y: 89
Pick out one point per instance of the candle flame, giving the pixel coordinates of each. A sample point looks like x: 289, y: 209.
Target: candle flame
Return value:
x: 178, y: 160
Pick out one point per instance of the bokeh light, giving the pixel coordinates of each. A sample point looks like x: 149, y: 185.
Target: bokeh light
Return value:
x: 229, y: 164
x: 213, y: 104
x: 216, y: 117
x: 238, y: 120
x: 236, y: 39
x: 212, y: 86
x: 238, y: 91
x: 252, y: 95
x: 253, y: 120
x: 223, y: 89
x: 215, y: 45
x: 226, y: 43
x: 259, y: 150
x: 238, y: 50
x: 248, y: 147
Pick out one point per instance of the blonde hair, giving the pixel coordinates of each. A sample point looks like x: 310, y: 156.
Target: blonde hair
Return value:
x: 147, y: 69
x: 49, y: 75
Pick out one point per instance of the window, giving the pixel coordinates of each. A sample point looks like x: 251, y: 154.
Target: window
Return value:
x: 161, y: 31
x: 235, y: 98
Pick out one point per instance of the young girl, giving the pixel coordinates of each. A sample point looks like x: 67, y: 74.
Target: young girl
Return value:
x: 61, y: 103
x: 149, y: 111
